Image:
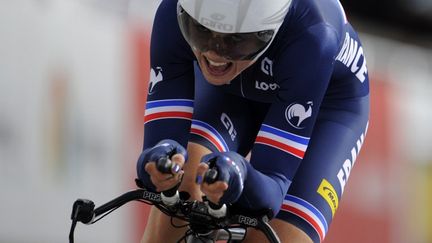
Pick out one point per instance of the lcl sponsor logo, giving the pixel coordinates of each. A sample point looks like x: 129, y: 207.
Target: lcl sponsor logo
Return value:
x: 327, y: 191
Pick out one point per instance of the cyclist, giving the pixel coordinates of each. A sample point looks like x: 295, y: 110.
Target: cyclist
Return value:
x: 283, y: 83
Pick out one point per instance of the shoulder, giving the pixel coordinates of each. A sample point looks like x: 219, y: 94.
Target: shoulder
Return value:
x: 311, y: 29
x: 166, y: 16
x: 305, y: 14
x: 166, y: 39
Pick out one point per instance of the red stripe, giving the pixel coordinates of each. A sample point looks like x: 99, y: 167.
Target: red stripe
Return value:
x: 282, y: 146
x: 208, y: 137
x: 306, y: 217
x: 168, y: 114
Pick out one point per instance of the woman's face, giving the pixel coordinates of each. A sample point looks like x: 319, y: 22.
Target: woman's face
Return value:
x: 222, y: 56
x: 218, y: 70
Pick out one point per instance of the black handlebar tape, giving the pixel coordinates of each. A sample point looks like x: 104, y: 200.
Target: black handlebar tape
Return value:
x: 210, y: 176
x: 214, y: 206
x: 164, y: 165
x: 170, y: 192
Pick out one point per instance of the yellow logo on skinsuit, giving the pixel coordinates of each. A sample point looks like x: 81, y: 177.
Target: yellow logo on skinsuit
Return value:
x: 327, y: 191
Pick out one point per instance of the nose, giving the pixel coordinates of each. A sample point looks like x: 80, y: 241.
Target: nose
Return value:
x: 214, y: 56
x: 216, y: 44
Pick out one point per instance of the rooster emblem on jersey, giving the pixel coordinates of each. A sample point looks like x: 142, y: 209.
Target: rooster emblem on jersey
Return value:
x: 155, y: 77
x: 296, y: 113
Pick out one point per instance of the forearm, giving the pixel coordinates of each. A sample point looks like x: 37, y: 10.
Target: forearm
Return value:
x: 263, y: 190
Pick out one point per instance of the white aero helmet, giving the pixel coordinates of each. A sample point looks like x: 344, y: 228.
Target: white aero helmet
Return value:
x: 235, y: 29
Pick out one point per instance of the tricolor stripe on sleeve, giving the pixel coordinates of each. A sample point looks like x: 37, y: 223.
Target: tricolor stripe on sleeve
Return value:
x: 209, y: 133
x: 288, y: 142
x: 168, y: 109
x: 307, y: 212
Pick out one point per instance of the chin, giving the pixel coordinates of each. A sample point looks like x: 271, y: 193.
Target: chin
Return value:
x: 216, y: 80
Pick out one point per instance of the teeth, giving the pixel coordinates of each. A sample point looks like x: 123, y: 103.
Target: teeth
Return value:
x: 217, y: 64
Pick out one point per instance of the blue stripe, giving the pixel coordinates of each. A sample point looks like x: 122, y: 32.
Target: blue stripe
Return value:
x: 290, y: 136
x: 307, y: 205
x: 213, y: 131
x: 161, y: 103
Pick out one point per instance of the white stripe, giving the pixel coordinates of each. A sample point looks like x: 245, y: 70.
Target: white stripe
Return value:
x: 309, y: 213
x: 169, y: 100
x: 288, y: 142
x: 168, y: 109
x: 220, y: 143
x: 285, y: 132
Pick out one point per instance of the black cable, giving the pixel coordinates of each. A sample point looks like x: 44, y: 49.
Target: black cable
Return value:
x: 188, y: 232
x: 144, y: 201
x: 202, y: 239
x: 177, y: 226
x: 112, y: 210
x: 105, y: 214
x: 71, y: 233
x: 74, y: 223
x: 229, y: 234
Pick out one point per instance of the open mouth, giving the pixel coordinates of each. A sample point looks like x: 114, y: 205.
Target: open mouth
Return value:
x: 217, y: 68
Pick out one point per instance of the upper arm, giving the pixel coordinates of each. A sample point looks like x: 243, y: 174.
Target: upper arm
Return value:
x: 171, y: 85
x: 303, y: 72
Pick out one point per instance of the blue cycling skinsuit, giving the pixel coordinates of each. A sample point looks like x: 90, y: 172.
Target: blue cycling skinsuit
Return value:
x: 301, y: 109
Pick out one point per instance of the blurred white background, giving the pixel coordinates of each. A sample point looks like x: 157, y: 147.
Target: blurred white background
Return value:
x: 71, y: 107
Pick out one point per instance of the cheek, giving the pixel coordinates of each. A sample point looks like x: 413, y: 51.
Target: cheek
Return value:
x: 197, y: 53
x: 242, y: 65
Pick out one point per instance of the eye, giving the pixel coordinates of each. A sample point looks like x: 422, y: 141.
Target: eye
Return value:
x: 236, y: 38
x: 201, y: 28
x: 265, y: 35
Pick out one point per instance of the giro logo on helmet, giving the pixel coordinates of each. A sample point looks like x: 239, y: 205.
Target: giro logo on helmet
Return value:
x: 217, y: 16
x: 216, y: 25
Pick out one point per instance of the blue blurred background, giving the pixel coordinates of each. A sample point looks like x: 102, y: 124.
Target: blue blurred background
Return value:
x: 72, y: 90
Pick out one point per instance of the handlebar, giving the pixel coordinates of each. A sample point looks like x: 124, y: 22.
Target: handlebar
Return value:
x: 171, y: 197
x: 195, y: 212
